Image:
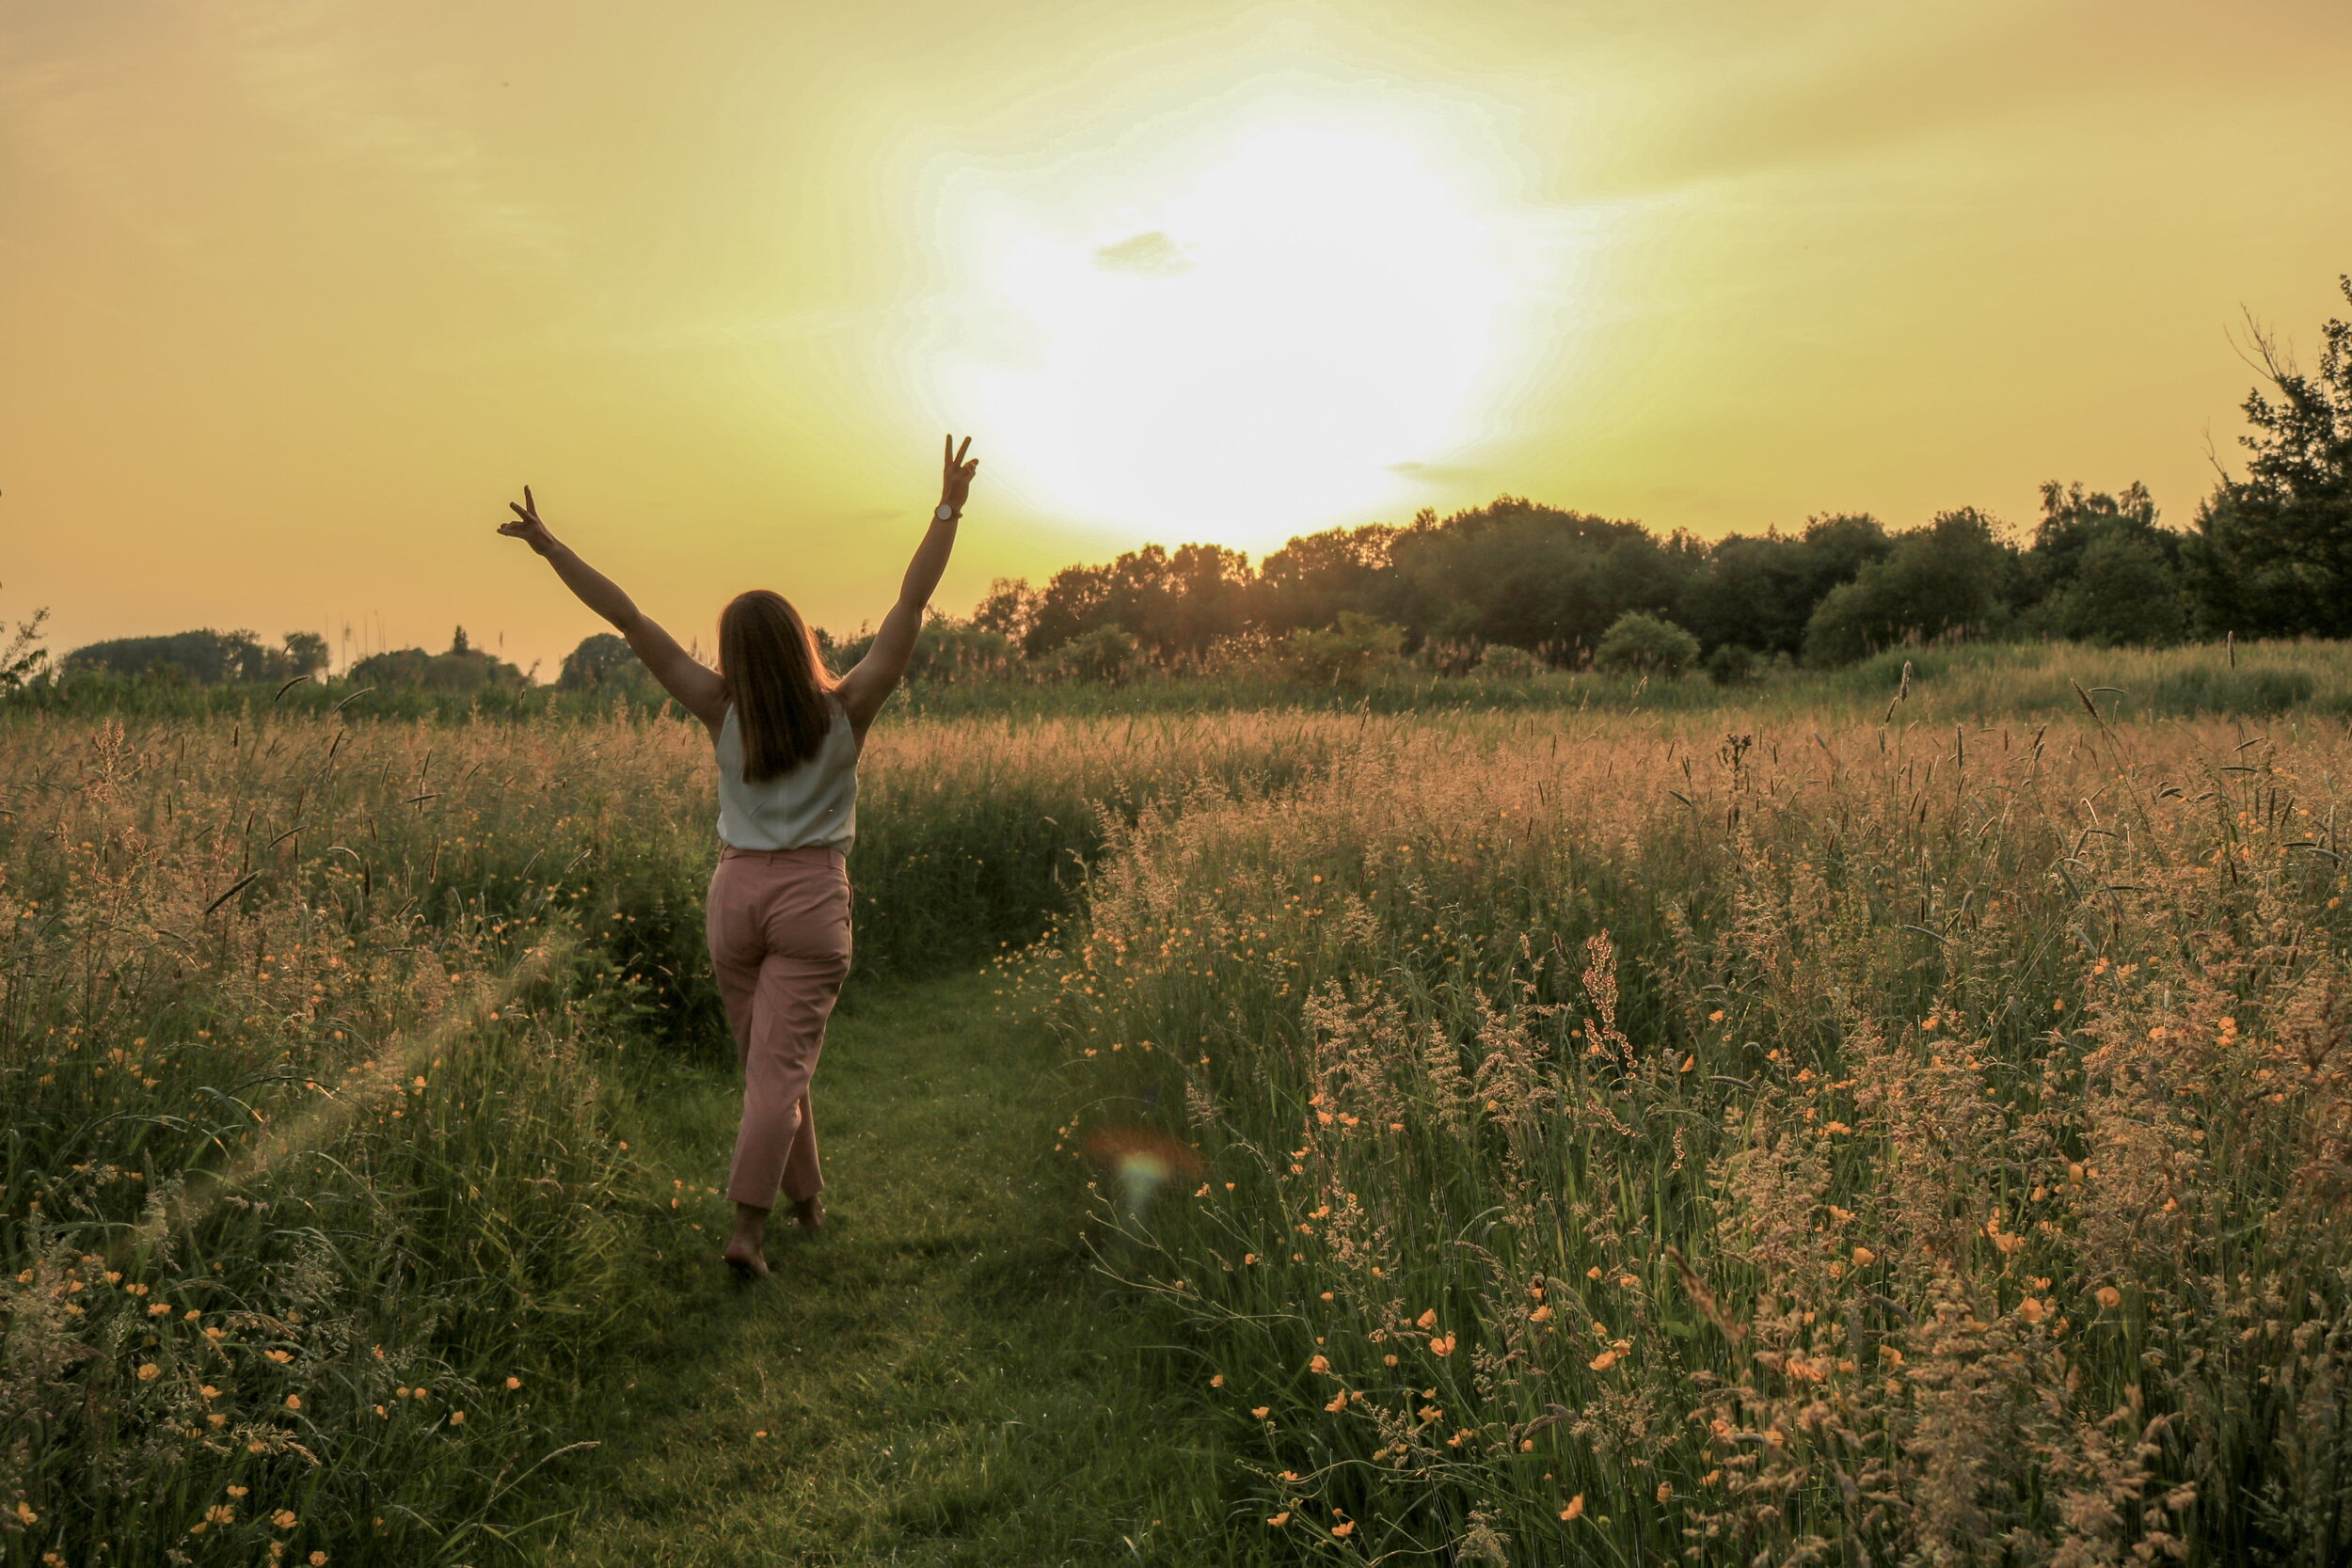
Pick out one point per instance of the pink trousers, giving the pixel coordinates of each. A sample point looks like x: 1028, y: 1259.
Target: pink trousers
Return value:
x: 779, y: 927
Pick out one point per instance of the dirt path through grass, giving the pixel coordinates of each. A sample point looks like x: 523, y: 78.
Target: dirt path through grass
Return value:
x: 939, y: 1377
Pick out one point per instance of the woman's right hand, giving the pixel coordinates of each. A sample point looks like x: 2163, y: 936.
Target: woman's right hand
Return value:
x: 525, y: 524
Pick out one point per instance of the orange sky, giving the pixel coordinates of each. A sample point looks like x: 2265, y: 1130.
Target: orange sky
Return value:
x: 295, y: 293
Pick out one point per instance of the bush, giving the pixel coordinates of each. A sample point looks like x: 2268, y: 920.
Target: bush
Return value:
x: 1500, y: 661
x: 1948, y: 578
x: 1638, y: 642
x: 2124, y: 593
x: 1346, y: 654
x: 1106, y: 654
x: 600, y: 661
x: 1731, y: 665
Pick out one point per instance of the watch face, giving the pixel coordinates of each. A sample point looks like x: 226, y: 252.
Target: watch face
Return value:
x: 945, y: 511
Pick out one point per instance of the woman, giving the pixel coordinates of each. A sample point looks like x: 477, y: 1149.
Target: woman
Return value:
x: 788, y: 737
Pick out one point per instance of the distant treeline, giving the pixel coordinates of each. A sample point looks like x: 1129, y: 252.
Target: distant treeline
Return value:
x: 1516, y: 587
x: 2268, y: 555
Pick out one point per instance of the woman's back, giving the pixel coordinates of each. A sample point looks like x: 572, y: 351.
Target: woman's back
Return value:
x: 812, y: 804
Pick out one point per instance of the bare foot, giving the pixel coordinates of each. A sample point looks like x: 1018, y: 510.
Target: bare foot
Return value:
x: 745, y: 1255
x: 809, y: 1213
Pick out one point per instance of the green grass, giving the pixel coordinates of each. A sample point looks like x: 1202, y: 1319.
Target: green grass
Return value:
x: 941, y: 1375
x: 1982, y: 681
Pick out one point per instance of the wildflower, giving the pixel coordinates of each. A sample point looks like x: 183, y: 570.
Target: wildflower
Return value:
x: 457, y: 1417
x: 148, y: 1371
x: 1339, y: 1402
x: 158, y: 1309
x: 209, y: 1391
x: 1427, y: 1319
x: 281, y: 1357
x: 284, y: 1518
x: 1320, y: 1364
x: 1441, y: 1345
x: 1281, y: 1519
x: 1260, y: 1412
x: 318, y: 1560
x: 514, y: 1383
x: 2030, y: 1310
x: 293, y: 1401
x: 1575, y: 1509
x: 1864, y: 1257
x: 1602, y: 1362
x: 1217, y: 1382
x: 1343, y: 1529
x: 2109, y: 1297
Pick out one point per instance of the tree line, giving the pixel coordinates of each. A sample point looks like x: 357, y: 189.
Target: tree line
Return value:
x: 1521, y: 585
x: 2268, y: 554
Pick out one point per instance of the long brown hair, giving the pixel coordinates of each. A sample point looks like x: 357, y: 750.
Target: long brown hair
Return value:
x: 777, y: 680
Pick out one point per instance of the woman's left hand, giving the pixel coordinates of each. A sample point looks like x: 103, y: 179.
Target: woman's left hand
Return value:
x: 955, y: 478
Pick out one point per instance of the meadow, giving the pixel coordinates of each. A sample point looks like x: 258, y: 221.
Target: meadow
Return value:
x: 1898, y: 1124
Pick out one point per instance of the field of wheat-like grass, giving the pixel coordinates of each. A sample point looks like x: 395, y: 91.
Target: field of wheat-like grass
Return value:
x: 1623, y: 1141
x: 316, y: 1229
x: 1621, y: 1136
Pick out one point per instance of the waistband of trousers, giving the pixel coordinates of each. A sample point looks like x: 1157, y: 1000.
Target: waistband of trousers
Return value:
x: 805, y: 853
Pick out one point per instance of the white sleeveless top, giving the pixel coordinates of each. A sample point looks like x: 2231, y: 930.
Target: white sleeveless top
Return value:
x: 812, y: 804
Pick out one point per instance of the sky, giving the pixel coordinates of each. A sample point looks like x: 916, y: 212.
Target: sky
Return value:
x: 295, y: 294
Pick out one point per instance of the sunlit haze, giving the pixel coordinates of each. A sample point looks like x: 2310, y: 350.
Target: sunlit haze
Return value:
x: 295, y: 296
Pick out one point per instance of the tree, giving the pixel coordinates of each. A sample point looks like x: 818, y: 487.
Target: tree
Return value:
x: 1948, y: 578
x: 1008, y: 610
x: 602, y: 659
x: 464, y: 668
x: 1759, y: 590
x: 1312, y: 579
x: 204, y: 656
x: 2124, y: 591
x: 23, y: 656
x: 306, y: 653
x: 1638, y: 642
x: 1530, y: 576
x: 2272, y: 551
x: 2103, y: 568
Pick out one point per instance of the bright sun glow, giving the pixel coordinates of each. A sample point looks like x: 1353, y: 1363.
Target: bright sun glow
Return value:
x: 1271, y: 340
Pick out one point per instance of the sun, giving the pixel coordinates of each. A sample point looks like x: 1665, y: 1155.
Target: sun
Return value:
x: 1282, y: 331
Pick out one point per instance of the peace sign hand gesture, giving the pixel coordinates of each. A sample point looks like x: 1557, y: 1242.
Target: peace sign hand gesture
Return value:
x: 955, y: 474
x: 525, y: 524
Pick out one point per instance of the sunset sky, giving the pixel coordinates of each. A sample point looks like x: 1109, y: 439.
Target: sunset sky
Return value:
x: 295, y: 294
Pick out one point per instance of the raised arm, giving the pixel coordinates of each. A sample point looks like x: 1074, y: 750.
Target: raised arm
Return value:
x: 864, y: 689
x: 695, y: 685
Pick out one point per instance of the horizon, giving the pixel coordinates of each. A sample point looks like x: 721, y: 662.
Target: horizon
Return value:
x: 328, y: 275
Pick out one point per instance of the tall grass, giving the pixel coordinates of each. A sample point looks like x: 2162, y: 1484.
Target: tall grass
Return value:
x: 1629, y: 1141
x: 318, y: 1233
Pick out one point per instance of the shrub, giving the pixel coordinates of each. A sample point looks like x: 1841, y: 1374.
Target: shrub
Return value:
x: 1731, y: 665
x: 1106, y: 654
x: 1638, y: 642
x: 1500, y: 661
x: 1346, y: 654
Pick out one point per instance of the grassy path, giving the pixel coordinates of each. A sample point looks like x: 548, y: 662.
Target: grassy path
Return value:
x: 939, y: 1376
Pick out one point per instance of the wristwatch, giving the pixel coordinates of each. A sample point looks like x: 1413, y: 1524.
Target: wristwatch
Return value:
x: 946, y: 513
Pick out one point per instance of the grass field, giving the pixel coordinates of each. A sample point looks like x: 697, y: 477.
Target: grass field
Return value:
x: 1882, y: 1130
